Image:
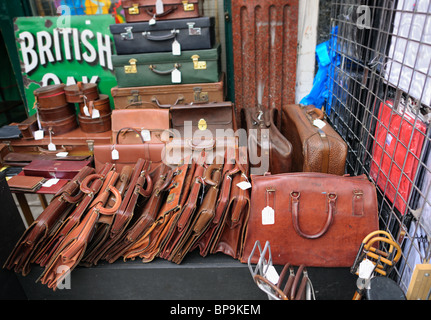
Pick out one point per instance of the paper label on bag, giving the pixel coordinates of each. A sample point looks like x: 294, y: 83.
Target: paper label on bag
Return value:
x: 95, y: 114
x: 176, y: 48
x: 50, y: 182
x: 319, y: 123
x: 51, y: 147
x: 159, y: 7
x: 366, y: 268
x: 152, y: 20
x: 38, y: 134
x: 62, y: 154
x: 115, y: 155
x: 268, y: 216
x: 244, y: 185
x: 272, y: 275
x: 146, y: 135
x: 176, y: 76
x: 86, y: 112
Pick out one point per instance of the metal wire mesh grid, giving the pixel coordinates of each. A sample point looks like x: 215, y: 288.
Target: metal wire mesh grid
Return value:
x: 379, y: 98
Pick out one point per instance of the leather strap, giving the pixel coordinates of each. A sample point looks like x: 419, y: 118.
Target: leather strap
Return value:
x: 294, y: 195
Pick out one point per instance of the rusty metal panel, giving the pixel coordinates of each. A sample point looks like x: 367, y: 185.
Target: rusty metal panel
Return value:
x: 264, y: 52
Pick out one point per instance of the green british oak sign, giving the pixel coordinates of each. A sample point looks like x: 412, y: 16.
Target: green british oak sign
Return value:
x: 65, y: 49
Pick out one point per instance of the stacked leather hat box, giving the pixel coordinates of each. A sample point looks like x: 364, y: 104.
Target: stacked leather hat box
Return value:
x: 94, y: 108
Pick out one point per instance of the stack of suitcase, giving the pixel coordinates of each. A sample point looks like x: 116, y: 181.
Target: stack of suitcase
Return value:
x: 167, y: 54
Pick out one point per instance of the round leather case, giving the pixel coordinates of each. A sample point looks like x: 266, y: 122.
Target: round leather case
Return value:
x: 57, y: 113
x: 94, y: 125
x: 76, y: 93
x: 102, y: 105
x: 50, y: 96
x: 60, y: 126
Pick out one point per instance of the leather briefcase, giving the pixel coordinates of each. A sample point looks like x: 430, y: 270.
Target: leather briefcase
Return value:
x: 317, y: 147
x: 136, y: 125
x: 165, y: 36
x: 50, y: 96
x: 163, y: 68
x: 28, y: 126
x: 310, y: 218
x: 269, y: 150
x: 61, y: 169
x: 145, y: 10
x: 166, y: 96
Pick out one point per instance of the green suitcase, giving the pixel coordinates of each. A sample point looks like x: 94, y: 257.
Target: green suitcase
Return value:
x: 164, y: 68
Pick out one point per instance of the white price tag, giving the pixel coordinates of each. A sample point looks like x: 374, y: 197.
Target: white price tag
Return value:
x: 159, y: 7
x: 51, y: 147
x: 152, y: 21
x: 95, y: 114
x: 272, y: 275
x: 115, y: 155
x: 50, y: 182
x: 176, y: 48
x: 244, y: 185
x: 319, y: 123
x: 268, y: 216
x: 38, y: 134
x: 86, y: 112
x: 366, y: 267
x: 176, y: 76
x: 146, y: 135
x: 62, y: 154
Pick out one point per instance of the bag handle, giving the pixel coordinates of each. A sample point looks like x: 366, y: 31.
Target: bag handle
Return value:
x: 128, y: 128
x: 151, y: 13
x: 147, y: 35
x: 152, y: 67
x: 295, y: 214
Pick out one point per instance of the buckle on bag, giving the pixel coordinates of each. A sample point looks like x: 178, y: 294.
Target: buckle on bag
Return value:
x: 132, y: 67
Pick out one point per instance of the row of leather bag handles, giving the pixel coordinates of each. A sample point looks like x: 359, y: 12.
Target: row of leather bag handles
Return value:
x: 141, y: 212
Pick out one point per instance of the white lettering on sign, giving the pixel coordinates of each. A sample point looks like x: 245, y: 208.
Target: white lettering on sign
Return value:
x: 64, y: 44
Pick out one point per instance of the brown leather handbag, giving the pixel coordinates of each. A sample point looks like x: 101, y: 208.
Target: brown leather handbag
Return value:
x: 317, y: 147
x: 145, y: 10
x: 269, y: 150
x: 230, y: 237
x: 311, y: 218
x: 46, y: 224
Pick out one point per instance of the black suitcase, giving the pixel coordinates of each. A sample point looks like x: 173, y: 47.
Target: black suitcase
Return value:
x: 142, y: 37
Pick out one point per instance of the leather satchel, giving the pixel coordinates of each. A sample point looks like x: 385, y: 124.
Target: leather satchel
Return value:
x: 317, y: 147
x: 46, y: 224
x: 309, y: 218
x: 269, y: 150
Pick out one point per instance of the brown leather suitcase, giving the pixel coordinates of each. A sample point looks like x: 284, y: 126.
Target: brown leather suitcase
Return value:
x: 28, y: 126
x: 145, y: 10
x: 317, y: 147
x: 311, y: 218
x: 165, y: 96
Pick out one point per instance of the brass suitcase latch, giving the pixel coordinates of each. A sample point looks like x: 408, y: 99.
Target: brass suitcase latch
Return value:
x: 188, y: 6
x: 199, y: 65
x: 132, y: 67
x: 202, y: 124
x: 134, y: 9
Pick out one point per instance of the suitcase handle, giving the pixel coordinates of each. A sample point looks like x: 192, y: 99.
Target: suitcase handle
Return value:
x: 167, y: 72
x: 295, y: 213
x: 147, y: 35
x: 151, y: 12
